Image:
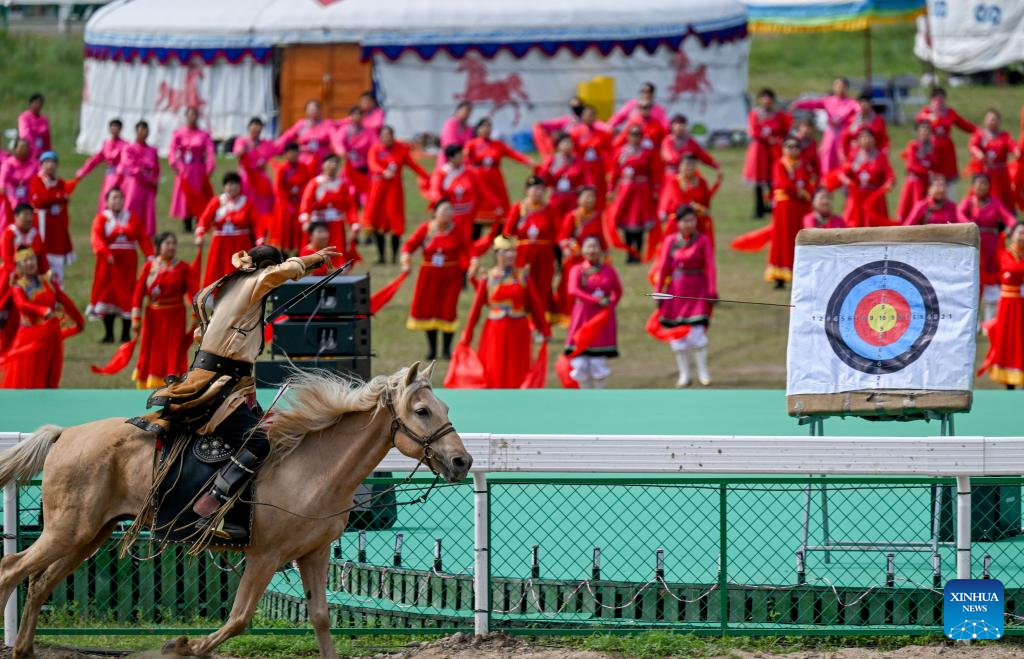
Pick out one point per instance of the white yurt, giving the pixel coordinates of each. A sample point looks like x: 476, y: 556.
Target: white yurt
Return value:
x: 970, y: 37
x: 518, y: 62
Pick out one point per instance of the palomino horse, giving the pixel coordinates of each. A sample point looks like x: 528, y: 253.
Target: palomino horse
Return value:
x: 332, y: 436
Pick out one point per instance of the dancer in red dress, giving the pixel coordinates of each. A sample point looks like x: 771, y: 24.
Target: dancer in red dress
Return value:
x: 653, y: 129
x: 803, y: 133
x: 922, y: 161
x: 20, y: 233
x: 45, y: 317
x: 991, y: 150
x: 49, y: 195
x: 677, y: 145
x: 462, y: 187
x: 385, y: 207
x: 512, y: 303
x: 484, y: 156
x: 935, y: 208
x: 110, y: 156
x: 1005, y: 359
x: 686, y: 267
x: 691, y: 189
x: 353, y: 139
x: 546, y: 132
x: 942, y: 119
x: 630, y: 109
x: 868, y: 176
x: 319, y: 240
x: 563, y: 174
x: 634, y: 180
x: 254, y: 154
x: 445, y: 258
x: 767, y: 126
x: 290, y: 180
x: 232, y: 221
x: 327, y: 199
x: 594, y: 144
x: 866, y: 118
x: 165, y: 287
x: 792, y: 184
x: 593, y: 287
x: 117, y: 234
x: 992, y: 218
x: 821, y: 215
x: 532, y: 223
x: 578, y: 224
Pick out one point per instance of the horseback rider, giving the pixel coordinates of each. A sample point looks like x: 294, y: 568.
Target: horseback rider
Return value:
x: 218, y: 393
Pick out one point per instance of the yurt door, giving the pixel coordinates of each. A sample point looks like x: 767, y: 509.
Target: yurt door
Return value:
x: 332, y: 74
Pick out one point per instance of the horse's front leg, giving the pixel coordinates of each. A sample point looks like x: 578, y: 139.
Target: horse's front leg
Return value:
x: 259, y: 569
x: 313, y: 569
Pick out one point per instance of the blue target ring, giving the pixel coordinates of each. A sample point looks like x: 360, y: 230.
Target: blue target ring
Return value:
x: 846, y: 326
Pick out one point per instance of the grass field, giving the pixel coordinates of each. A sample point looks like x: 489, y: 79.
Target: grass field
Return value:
x: 747, y: 347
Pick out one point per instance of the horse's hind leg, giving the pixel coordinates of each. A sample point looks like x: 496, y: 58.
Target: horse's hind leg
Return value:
x: 259, y: 569
x: 41, y: 585
x: 16, y: 567
x: 313, y: 568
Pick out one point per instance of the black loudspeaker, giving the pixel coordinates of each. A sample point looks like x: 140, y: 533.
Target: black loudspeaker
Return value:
x: 319, y: 336
x: 995, y: 513
x: 271, y: 373
x: 345, y: 295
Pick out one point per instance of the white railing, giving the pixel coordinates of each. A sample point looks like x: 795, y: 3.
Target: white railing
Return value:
x: 959, y: 457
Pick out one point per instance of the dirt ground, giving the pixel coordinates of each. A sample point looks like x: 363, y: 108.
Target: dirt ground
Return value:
x: 500, y: 646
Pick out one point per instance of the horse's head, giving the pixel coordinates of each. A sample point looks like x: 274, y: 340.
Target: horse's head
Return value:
x: 421, y: 429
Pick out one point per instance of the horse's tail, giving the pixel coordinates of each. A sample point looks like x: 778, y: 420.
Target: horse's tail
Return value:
x: 26, y: 459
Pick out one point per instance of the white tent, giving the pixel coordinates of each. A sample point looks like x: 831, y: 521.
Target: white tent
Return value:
x: 518, y: 62
x: 969, y: 37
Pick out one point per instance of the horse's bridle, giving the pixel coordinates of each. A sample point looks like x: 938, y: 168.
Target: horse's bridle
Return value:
x: 399, y: 426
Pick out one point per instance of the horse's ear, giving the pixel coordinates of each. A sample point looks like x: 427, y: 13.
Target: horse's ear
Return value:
x: 428, y: 371
x: 412, y: 374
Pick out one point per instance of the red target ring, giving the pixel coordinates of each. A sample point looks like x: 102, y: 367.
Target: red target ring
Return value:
x: 882, y: 317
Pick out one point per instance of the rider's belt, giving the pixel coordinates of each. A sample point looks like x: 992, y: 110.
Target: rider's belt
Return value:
x: 222, y: 365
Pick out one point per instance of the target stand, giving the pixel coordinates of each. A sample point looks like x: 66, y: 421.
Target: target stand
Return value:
x: 828, y: 544
x: 883, y: 327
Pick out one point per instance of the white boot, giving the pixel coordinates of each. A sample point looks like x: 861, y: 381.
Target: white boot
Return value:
x: 700, y: 357
x: 683, y: 362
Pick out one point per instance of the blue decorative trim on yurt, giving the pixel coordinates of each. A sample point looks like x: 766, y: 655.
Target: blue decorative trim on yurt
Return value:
x: 183, y: 55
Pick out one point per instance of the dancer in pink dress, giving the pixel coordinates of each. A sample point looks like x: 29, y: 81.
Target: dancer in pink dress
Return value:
x: 139, y: 173
x: 840, y: 110
x: 110, y: 155
x: 192, y: 157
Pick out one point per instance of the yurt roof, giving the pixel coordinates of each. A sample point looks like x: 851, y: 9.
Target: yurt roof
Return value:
x: 133, y: 29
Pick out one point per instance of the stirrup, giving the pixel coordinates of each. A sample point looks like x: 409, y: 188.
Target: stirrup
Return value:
x: 222, y: 530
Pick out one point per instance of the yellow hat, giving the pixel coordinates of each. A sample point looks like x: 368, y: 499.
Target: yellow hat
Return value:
x: 504, y: 242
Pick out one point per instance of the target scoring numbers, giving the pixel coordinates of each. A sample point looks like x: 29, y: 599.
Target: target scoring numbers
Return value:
x: 882, y: 317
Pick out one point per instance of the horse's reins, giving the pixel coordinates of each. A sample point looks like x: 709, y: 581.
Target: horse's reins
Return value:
x: 397, y: 426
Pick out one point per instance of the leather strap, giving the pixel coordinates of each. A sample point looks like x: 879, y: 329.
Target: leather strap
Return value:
x: 222, y: 365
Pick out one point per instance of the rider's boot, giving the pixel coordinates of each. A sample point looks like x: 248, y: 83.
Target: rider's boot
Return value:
x: 228, y: 481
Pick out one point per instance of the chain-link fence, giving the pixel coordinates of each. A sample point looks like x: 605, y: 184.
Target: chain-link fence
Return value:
x: 782, y: 555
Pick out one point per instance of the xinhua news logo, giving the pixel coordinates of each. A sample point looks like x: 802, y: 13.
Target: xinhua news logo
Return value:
x: 973, y: 609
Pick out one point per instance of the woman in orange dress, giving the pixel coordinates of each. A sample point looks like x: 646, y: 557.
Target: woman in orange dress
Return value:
x: 45, y: 316
x: 792, y: 183
x: 512, y: 303
x: 385, y: 205
x: 168, y: 285
x: 231, y: 219
x: 445, y: 258
x: 484, y: 156
x: 1005, y: 360
x: 532, y: 224
x: 117, y: 234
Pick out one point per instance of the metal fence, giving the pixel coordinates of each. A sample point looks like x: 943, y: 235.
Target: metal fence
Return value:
x: 566, y: 552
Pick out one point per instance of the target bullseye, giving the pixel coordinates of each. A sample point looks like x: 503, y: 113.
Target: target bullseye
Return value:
x: 882, y: 316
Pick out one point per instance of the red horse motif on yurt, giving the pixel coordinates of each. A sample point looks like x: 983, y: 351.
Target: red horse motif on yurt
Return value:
x: 170, y: 99
x: 693, y: 81
x: 507, y: 91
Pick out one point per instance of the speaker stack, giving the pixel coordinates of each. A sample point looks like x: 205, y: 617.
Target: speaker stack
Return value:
x: 329, y: 330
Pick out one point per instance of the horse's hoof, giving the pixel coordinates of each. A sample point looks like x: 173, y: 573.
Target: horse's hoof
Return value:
x: 176, y: 648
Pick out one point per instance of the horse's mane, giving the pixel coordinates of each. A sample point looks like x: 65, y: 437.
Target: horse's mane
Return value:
x: 318, y: 399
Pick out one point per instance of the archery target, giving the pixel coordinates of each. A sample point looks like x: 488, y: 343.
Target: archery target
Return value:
x: 882, y: 317
x: 877, y: 316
